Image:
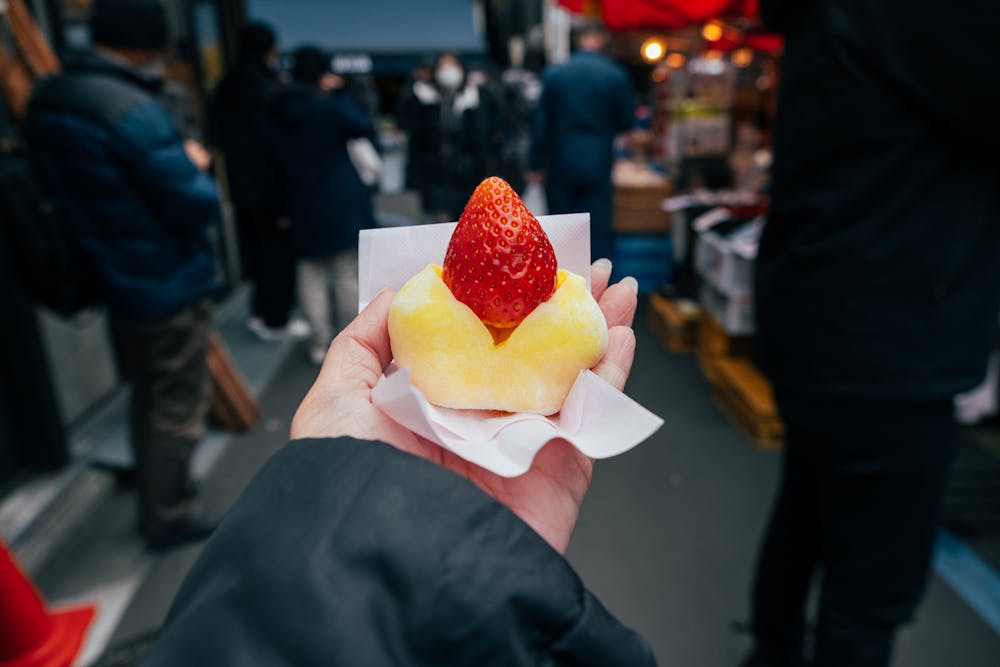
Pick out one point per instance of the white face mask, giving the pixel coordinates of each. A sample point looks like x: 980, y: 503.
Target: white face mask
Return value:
x: 449, y: 76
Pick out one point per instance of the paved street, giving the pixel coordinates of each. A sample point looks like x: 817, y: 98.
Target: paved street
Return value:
x: 667, y: 536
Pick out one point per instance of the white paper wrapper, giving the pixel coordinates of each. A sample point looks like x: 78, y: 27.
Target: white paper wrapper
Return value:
x: 596, y: 418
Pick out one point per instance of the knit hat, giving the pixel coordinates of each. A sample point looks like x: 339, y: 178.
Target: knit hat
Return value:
x: 129, y: 24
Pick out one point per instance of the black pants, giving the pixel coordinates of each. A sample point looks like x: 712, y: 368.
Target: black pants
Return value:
x: 268, y: 257
x: 593, y: 199
x: 858, y: 505
x: 165, y: 360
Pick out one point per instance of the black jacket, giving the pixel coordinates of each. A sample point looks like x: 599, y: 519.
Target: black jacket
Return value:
x: 879, y: 269
x: 240, y: 127
x: 344, y: 552
x: 325, y: 198
x: 585, y: 102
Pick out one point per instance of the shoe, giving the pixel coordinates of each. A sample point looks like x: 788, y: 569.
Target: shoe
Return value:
x: 172, y: 534
x: 298, y: 329
x: 317, y: 354
x: 295, y: 329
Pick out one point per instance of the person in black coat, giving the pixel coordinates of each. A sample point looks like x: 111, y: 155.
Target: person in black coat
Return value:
x: 328, y: 204
x: 240, y: 126
x: 345, y: 551
x: 585, y: 103
x: 451, y: 127
x: 877, y: 287
x: 417, y: 113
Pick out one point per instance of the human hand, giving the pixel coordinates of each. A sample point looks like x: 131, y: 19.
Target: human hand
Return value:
x: 197, y: 153
x: 549, y: 495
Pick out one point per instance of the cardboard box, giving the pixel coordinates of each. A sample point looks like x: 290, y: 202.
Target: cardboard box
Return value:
x: 639, y: 209
x: 674, y: 326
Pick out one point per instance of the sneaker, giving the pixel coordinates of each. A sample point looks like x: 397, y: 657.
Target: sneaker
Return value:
x: 298, y: 329
x: 295, y: 329
x: 317, y: 354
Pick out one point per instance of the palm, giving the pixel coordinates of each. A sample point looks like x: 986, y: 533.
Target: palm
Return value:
x: 547, y: 497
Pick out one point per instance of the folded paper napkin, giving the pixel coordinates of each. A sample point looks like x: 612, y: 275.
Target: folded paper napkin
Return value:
x: 596, y: 418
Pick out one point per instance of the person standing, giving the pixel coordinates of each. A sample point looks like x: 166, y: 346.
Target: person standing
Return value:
x: 451, y: 127
x: 416, y: 112
x: 141, y: 205
x: 877, y: 287
x: 239, y: 117
x: 327, y: 202
x: 585, y: 103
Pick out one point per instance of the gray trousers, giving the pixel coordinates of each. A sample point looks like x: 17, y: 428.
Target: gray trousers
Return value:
x: 322, y: 280
x: 165, y: 359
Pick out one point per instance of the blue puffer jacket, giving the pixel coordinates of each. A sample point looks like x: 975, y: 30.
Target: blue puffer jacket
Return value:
x: 115, y: 159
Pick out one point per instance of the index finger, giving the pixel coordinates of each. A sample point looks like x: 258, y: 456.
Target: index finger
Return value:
x: 360, y: 352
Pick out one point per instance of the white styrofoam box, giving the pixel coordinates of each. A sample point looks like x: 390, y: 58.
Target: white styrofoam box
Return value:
x: 735, y: 311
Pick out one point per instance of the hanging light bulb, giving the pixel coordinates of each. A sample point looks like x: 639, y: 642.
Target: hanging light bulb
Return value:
x: 742, y: 57
x: 652, y: 50
x: 712, y: 31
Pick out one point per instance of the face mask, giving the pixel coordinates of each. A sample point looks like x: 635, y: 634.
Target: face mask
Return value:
x: 449, y: 77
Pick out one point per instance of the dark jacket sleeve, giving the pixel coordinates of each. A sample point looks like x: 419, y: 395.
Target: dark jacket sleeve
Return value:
x: 540, y: 129
x: 185, y: 199
x: 344, y: 552
x: 347, y: 117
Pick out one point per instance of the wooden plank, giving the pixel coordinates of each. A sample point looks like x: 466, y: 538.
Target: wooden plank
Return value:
x: 31, y: 43
x: 233, y: 406
x: 746, y: 397
x: 672, y: 329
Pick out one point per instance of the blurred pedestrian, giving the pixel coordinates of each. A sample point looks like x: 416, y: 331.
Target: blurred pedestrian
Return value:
x: 240, y: 123
x: 417, y: 113
x: 451, y: 125
x: 327, y: 202
x: 522, y: 88
x: 362, y: 543
x: 877, y: 286
x: 585, y: 103
x: 141, y: 205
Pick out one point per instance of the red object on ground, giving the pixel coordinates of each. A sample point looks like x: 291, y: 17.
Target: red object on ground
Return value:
x: 30, y: 634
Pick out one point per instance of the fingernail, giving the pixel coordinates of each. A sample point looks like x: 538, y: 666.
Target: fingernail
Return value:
x: 603, y: 263
x: 632, y: 283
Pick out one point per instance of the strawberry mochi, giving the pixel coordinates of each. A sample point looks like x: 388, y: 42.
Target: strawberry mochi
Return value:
x: 498, y: 327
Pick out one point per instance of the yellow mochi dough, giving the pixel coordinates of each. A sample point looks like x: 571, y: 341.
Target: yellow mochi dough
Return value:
x: 454, y: 361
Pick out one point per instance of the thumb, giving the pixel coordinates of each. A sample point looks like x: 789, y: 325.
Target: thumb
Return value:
x: 616, y: 364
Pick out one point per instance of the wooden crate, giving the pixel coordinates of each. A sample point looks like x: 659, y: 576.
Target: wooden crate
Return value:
x: 715, y: 343
x: 745, y: 395
x: 639, y: 209
x: 233, y: 406
x: 671, y: 327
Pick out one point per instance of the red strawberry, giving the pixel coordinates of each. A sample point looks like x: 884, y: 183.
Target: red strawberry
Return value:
x: 499, y: 261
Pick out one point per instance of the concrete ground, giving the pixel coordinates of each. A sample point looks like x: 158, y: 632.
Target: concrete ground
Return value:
x: 667, y: 536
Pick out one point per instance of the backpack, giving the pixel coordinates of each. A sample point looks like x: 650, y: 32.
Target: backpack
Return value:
x: 45, y: 254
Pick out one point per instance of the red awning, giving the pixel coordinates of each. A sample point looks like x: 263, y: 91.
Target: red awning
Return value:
x: 663, y: 14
